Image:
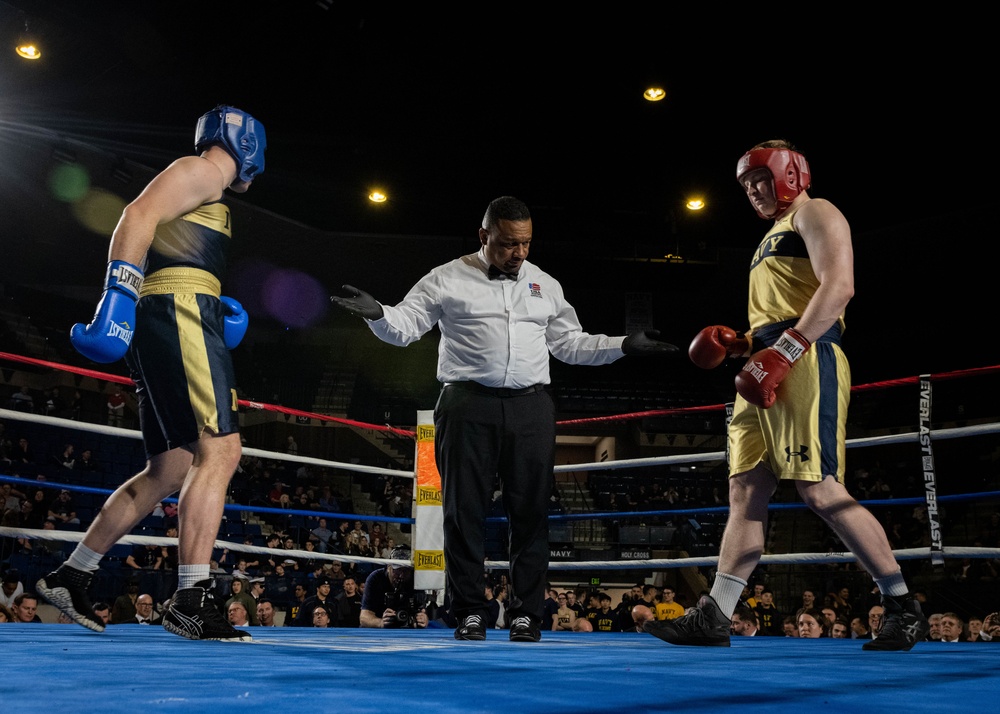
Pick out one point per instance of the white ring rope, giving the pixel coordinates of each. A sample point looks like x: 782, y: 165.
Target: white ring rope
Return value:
x: 662, y: 563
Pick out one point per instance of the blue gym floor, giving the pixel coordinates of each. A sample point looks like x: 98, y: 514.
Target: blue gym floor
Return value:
x: 132, y: 668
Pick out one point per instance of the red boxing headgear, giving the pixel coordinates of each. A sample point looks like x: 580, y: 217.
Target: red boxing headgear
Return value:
x: 789, y: 173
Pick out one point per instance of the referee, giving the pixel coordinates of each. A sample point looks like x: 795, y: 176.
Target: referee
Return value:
x: 500, y: 317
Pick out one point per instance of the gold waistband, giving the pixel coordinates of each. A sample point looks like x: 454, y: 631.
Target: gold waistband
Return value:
x: 181, y: 280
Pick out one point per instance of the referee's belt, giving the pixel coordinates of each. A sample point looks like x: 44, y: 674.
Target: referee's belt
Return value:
x: 504, y: 392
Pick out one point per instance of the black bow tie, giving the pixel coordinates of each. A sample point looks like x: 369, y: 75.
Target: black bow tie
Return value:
x: 497, y: 274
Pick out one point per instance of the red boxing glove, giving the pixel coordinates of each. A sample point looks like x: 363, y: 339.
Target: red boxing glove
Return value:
x: 713, y: 344
x: 765, y: 370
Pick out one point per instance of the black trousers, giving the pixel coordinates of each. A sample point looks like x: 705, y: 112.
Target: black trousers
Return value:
x: 482, y: 434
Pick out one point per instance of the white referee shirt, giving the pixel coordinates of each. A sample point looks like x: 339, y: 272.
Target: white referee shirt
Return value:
x: 495, y: 332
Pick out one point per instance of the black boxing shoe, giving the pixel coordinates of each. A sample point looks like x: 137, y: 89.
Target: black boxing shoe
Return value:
x: 194, y: 614
x: 66, y: 588
x: 903, y: 625
x: 702, y: 626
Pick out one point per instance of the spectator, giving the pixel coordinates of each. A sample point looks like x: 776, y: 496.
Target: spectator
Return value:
x: 239, y: 592
x: 334, y: 570
x: 299, y: 596
x: 87, y: 462
x: 320, y: 617
x: 34, y: 512
x: 875, y: 614
x: 257, y: 588
x: 354, y: 538
x: 123, y: 609
x: 66, y: 458
x: 320, y: 599
x: 550, y: 606
x: 25, y: 608
x: 840, y: 629
x: 54, y: 404
x: 75, y: 410
x: 116, y: 407
x: 145, y: 557
x: 10, y: 497
x: 5, y: 614
x: 278, y: 584
x: 63, y: 510
x: 812, y: 624
x: 144, y: 614
x: 768, y: 615
x: 291, y: 447
x: 667, y: 608
x: 103, y: 612
x: 265, y: 612
x: 323, y: 535
x: 11, y: 587
x: 607, y: 619
x: 593, y: 608
x: 975, y: 626
x: 745, y: 622
x: 991, y: 628
x: 754, y: 599
x: 22, y: 453
x: 236, y: 613
x: 952, y: 627
x: 571, y: 602
x: 22, y: 401
x: 562, y: 620
x: 241, y: 571
x: 830, y: 615
x: 859, y: 628
x: 348, y: 603
x: 790, y: 627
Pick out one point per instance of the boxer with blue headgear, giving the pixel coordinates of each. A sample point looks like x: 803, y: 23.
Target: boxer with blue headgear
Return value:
x: 162, y: 310
x: 239, y: 133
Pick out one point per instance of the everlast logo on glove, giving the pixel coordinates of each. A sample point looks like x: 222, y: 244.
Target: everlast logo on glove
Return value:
x: 122, y: 332
x: 755, y: 370
x: 790, y: 347
x: 128, y: 278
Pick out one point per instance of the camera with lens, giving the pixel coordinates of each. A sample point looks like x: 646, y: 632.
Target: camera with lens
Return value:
x: 406, y: 605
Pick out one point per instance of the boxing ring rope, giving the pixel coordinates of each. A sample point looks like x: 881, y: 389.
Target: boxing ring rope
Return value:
x: 924, y: 433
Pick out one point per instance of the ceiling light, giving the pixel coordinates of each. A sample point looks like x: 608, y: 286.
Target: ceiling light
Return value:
x: 377, y: 197
x: 695, y: 204
x: 27, y: 45
x: 654, y: 94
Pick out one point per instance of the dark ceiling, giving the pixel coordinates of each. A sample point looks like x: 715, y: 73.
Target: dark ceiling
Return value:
x: 449, y: 110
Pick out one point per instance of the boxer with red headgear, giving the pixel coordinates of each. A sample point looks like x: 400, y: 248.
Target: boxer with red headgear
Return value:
x: 789, y: 174
x: 790, y: 416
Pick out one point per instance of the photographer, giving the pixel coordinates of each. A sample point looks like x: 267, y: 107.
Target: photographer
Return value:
x: 389, y: 600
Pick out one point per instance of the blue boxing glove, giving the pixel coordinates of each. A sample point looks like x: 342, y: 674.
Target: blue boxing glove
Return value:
x: 236, y: 322
x: 107, y: 337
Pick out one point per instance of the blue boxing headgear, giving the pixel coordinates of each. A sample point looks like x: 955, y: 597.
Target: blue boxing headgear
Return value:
x: 239, y: 134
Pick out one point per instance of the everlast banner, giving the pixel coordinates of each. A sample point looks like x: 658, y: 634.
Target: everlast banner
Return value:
x: 930, y: 474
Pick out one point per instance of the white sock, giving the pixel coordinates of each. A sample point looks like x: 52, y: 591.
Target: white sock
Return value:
x: 83, y: 558
x: 892, y: 585
x: 726, y: 592
x: 189, y: 575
